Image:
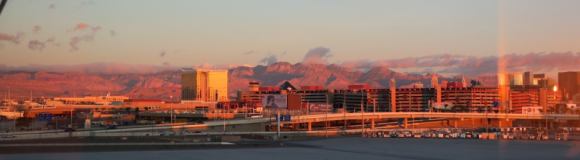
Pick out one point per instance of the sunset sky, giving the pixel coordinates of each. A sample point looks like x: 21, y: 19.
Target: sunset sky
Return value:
x: 183, y: 33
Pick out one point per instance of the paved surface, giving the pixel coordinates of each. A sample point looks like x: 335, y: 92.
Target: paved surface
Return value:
x: 345, y: 148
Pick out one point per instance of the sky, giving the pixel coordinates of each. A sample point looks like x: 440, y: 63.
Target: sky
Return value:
x: 412, y: 36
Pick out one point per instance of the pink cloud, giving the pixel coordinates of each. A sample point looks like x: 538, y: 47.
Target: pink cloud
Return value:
x: 35, y: 45
x: 36, y: 29
x: 74, y: 41
x: 11, y: 38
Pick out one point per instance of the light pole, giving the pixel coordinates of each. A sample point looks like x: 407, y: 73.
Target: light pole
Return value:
x: 362, y: 113
x: 71, y: 121
x: 224, y: 119
x: 326, y: 117
x: 14, y: 115
x: 171, y: 109
x: 344, y: 109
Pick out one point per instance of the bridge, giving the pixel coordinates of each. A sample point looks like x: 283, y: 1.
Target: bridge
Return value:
x: 309, y: 119
x: 381, y: 115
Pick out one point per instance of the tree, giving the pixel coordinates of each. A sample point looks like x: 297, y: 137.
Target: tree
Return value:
x: 96, y: 109
x: 128, y: 109
x: 146, y: 108
x: 22, y: 122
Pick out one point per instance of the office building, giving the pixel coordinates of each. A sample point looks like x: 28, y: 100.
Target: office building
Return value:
x: 528, y: 78
x: 569, y: 84
x: 511, y: 79
x: 204, y: 85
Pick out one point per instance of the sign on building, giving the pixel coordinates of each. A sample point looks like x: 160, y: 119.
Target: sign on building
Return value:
x: 275, y: 102
x: 443, y: 105
x: 320, y: 107
x: 531, y: 110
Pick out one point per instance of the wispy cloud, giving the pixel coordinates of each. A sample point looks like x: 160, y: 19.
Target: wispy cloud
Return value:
x: 248, y: 52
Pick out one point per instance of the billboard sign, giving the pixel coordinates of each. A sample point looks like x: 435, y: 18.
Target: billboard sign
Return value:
x: 443, y: 105
x: 275, y: 102
x: 571, y: 106
x: 320, y: 107
x: 531, y: 110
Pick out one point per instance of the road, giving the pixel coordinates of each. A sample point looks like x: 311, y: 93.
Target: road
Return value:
x: 344, y: 148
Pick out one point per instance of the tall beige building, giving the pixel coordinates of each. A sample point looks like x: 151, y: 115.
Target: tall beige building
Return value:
x: 204, y: 85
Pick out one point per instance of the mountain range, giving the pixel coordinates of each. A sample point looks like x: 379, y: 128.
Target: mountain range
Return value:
x: 162, y: 85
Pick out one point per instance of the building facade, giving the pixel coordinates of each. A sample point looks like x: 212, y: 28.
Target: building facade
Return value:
x: 204, y: 85
x: 569, y: 83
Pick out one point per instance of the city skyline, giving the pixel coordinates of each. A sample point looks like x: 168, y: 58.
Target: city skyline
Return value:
x: 399, y: 35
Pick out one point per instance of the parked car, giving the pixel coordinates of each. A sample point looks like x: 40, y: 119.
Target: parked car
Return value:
x: 69, y: 130
x: 199, y: 122
x: 112, y: 127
